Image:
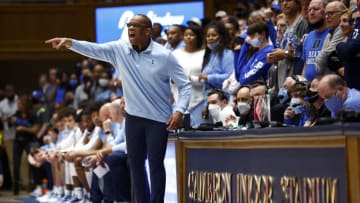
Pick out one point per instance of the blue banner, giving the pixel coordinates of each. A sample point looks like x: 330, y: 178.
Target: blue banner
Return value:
x: 111, y: 21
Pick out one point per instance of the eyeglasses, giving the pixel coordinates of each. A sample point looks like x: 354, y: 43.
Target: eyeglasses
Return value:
x: 331, y: 13
x: 136, y: 25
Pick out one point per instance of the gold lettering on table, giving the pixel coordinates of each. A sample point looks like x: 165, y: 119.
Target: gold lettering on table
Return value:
x: 227, y: 189
x: 268, y: 182
x: 191, y: 184
x: 304, y: 190
x: 309, y: 190
x: 284, y: 184
x: 243, y: 183
x: 253, y: 189
x: 249, y: 179
x: 323, y: 189
x: 202, y: 186
x: 317, y: 181
x: 237, y: 188
x: 327, y: 182
x: 216, y: 186
x: 209, y: 187
x: 257, y: 188
x: 334, y: 195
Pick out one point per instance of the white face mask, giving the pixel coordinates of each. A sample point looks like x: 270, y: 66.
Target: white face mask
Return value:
x: 214, y: 110
x: 212, y: 46
x: 103, y: 82
x: 255, y: 42
x: 295, y: 104
x: 243, y: 108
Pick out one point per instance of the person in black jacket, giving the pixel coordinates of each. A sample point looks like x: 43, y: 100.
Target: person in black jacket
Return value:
x: 349, y: 52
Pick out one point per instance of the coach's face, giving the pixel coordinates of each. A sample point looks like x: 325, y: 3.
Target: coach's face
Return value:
x: 139, y: 31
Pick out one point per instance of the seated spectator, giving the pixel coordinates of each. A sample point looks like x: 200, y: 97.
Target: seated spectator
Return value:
x: 113, y: 153
x: 281, y: 101
x: 218, y: 108
x: 337, y: 95
x: 299, y: 112
x: 316, y: 101
x: 245, y: 108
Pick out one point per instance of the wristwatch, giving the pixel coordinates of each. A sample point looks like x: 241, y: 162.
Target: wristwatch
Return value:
x: 286, y: 54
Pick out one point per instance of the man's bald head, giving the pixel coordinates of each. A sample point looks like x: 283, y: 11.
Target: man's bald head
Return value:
x: 329, y: 84
x: 105, y: 112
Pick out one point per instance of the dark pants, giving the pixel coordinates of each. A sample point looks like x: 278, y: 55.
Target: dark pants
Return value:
x: 4, y: 162
x: 116, y: 181
x: 146, y: 139
x: 20, y: 144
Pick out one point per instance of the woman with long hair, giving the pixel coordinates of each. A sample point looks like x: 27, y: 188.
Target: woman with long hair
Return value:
x: 218, y: 62
x: 190, y: 58
x: 26, y: 127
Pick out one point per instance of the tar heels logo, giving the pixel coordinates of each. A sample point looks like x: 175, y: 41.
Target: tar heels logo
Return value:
x: 165, y: 20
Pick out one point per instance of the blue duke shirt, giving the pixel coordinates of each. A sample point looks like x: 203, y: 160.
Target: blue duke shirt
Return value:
x: 312, y: 46
x: 248, y: 71
x: 145, y: 76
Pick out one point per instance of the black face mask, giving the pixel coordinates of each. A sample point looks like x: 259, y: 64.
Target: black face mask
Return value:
x: 11, y: 98
x: 318, y: 24
x: 312, y: 96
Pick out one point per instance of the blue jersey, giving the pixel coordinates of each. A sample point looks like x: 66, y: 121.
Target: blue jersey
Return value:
x: 248, y: 71
x: 312, y: 46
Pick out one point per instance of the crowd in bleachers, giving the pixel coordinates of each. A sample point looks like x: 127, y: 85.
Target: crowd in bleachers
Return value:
x: 289, y: 63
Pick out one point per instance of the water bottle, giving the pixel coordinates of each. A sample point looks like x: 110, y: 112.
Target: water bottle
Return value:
x: 44, y: 186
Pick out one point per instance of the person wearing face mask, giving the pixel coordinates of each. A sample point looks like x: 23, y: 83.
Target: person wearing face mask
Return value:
x: 244, y: 105
x: 73, y: 82
x: 250, y: 61
x: 299, y: 112
x: 218, y: 109
x: 314, y: 42
x: 316, y: 101
x: 280, y: 103
x: 337, y: 95
x: 105, y: 93
x: 218, y: 62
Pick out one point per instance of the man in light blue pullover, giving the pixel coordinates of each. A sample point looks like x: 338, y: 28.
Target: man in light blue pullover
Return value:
x: 145, y: 68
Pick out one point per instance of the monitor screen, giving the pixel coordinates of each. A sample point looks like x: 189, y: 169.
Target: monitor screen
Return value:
x: 111, y: 21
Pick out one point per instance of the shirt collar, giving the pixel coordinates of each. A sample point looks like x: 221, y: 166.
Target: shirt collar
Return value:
x: 147, y: 50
